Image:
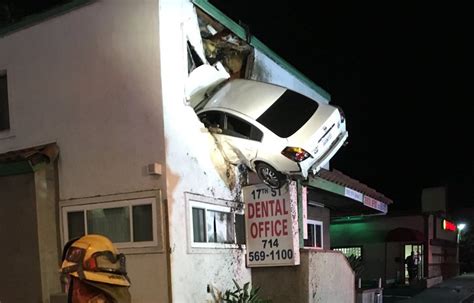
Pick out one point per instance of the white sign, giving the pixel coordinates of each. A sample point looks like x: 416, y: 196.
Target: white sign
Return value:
x: 271, y: 220
x: 350, y: 193
x: 375, y: 204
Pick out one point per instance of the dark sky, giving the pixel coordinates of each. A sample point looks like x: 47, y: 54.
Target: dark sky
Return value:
x: 402, y: 72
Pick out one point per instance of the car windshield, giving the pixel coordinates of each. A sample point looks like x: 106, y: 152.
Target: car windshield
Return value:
x: 288, y: 114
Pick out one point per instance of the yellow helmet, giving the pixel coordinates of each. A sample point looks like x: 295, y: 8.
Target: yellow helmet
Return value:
x: 95, y: 258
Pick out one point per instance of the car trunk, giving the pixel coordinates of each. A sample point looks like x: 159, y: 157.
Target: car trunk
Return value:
x: 328, y: 130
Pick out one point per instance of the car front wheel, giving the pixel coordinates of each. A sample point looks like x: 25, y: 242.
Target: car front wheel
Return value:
x: 270, y: 176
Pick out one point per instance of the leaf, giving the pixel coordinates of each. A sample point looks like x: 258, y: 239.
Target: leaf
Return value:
x: 236, y: 284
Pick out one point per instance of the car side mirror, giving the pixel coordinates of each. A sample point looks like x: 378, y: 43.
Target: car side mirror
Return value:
x: 215, y: 129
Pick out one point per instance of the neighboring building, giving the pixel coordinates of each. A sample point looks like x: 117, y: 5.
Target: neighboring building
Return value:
x: 385, y: 242
x: 323, y: 274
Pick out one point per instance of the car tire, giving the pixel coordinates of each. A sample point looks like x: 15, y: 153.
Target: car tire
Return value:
x: 270, y: 176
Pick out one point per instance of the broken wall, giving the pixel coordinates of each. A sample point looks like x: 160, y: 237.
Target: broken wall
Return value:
x: 196, y: 170
x: 265, y: 69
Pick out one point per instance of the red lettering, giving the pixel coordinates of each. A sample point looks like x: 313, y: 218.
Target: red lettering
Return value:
x: 267, y: 228
x: 285, y: 211
x: 260, y: 228
x: 264, y: 209
x: 277, y: 230
x: 253, y: 230
x: 257, y: 209
x: 271, y: 202
x: 278, y: 211
x: 285, y: 227
x: 251, y: 210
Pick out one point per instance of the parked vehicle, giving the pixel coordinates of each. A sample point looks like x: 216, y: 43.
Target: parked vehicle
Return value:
x: 276, y: 132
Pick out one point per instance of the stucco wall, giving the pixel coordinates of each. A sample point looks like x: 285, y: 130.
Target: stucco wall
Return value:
x: 47, y: 227
x: 267, y: 70
x: 322, y: 276
x: 379, y: 261
x: 194, y: 165
x: 321, y: 214
x: 20, y: 280
x: 89, y: 80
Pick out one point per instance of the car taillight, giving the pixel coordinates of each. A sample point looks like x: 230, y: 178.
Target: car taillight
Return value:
x: 296, y: 154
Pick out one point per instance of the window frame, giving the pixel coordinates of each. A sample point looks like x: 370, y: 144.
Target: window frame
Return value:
x: 5, y: 132
x: 321, y: 224
x: 347, y: 247
x: 114, y: 204
x: 193, y: 203
x: 255, y: 133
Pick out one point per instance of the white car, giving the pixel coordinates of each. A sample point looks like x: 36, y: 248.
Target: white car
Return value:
x: 274, y: 131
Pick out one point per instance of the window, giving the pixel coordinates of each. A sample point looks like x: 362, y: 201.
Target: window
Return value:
x: 214, y: 225
x: 355, y: 251
x: 4, y: 110
x: 130, y: 223
x: 315, y: 234
x: 212, y: 119
x: 239, y: 128
x: 288, y: 114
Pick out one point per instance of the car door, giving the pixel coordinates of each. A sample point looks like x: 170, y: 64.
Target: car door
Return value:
x: 240, y: 140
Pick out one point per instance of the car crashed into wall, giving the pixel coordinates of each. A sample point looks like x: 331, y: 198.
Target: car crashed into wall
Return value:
x: 274, y: 131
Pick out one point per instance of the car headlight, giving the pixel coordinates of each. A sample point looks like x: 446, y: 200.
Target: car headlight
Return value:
x: 296, y: 154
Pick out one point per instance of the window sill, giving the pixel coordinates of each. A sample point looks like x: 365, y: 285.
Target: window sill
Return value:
x: 215, y: 248
x: 141, y: 250
x: 6, y: 134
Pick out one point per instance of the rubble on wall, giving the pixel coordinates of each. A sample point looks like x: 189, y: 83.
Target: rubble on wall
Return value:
x: 222, y: 49
x: 221, y: 45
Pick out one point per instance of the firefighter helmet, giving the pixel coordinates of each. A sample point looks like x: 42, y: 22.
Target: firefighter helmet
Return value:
x: 94, y: 258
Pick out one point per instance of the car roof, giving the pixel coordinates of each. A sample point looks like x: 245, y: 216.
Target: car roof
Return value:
x: 248, y: 97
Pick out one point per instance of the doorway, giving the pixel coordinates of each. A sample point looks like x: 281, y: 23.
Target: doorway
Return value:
x: 419, y: 253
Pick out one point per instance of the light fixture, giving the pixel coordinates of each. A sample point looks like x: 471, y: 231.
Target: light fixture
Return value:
x: 461, y: 226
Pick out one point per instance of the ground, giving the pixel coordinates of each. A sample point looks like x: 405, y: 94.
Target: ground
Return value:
x: 459, y: 289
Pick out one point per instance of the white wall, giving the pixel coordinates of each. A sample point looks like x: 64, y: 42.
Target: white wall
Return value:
x: 90, y: 81
x: 194, y: 165
x: 267, y: 70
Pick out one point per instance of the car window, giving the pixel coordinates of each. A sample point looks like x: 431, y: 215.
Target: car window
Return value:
x: 239, y: 128
x: 288, y: 114
x: 212, y: 118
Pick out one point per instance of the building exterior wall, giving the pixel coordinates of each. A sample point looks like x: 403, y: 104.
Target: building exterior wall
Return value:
x: 386, y: 259
x: 322, y: 276
x: 380, y: 261
x: 19, y: 234
x: 46, y: 186
x: 319, y: 213
x: 195, y: 169
x: 105, y: 82
x: 267, y: 70
x: 89, y: 80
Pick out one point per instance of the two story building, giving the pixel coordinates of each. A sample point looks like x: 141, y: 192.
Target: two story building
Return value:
x: 98, y: 135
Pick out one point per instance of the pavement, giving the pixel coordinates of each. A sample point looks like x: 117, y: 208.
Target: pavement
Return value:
x: 459, y: 289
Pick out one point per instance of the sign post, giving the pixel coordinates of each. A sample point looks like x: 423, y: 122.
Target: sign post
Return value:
x: 271, y: 217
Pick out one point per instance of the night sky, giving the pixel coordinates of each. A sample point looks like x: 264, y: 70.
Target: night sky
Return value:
x: 401, y: 71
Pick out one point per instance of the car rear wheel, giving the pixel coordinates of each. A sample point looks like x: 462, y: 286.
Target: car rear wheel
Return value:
x: 270, y: 176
